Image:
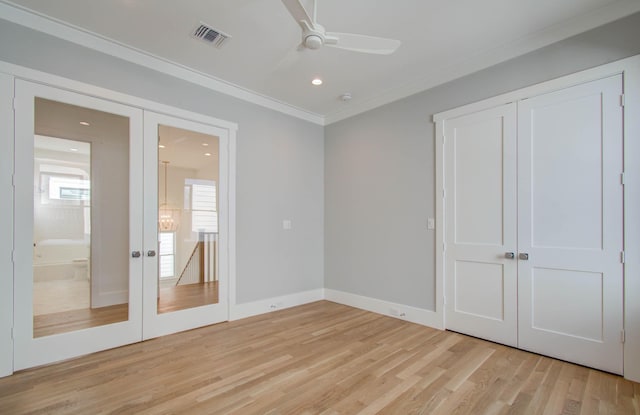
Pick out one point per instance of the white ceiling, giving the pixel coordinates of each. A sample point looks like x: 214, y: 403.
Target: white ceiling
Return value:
x: 441, y: 40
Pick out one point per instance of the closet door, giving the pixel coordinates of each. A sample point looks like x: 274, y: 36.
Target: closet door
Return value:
x: 480, y: 227
x: 570, y: 229
x: 78, y: 224
x: 186, y: 231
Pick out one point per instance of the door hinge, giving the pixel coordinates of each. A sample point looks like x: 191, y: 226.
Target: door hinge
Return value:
x: 622, y: 336
x: 12, y: 333
x: 622, y: 258
x: 622, y: 178
x: 13, y: 256
x: 444, y: 300
x: 444, y: 194
x: 622, y: 100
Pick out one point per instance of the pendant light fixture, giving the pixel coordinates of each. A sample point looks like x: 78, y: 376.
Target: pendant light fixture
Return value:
x: 168, y: 218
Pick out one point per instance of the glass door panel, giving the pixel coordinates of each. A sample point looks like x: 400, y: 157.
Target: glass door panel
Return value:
x: 185, y: 283
x: 187, y: 219
x: 78, y: 161
x: 70, y: 290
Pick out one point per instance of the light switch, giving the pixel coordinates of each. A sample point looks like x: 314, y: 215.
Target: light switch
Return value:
x: 431, y: 223
x: 286, y: 224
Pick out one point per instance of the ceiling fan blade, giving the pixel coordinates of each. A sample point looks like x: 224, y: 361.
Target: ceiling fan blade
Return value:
x: 298, y: 12
x: 364, y: 43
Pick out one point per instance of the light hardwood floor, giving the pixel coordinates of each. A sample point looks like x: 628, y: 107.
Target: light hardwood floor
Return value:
x: 320, y: 358
x: 171, y: 299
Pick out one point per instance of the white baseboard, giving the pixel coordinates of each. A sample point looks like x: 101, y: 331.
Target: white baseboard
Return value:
x: 239, y: 311
x: 416, y: 315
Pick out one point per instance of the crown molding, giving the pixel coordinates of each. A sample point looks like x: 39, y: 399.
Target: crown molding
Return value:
x: 45, y: 24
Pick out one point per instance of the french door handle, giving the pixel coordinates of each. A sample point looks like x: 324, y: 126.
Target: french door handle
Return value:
x: 135, y: 254
x: 509, y: 255
x: 524, y: 256
x: 151, y: 253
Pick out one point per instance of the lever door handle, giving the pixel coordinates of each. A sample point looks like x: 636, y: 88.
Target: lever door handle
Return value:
x: 509, y: 255
x: 135, y: 254
x: 524, y: 256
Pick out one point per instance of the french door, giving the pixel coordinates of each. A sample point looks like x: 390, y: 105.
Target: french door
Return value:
x: 96, y: 263
x: 533, y: 249
x: 186, y: 224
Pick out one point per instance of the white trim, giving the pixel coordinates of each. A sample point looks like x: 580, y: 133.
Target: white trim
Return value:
x: 630, y: 68
x: 70, y: 33
x: 6, y: 224
x: 416, y: 315
x: 268, y: 305
x: 59, y: 82
x: 435, y: 75
x: 632, y: 218
x: 231, y: 221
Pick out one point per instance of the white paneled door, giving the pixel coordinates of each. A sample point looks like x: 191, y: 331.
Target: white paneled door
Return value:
x: 533, y: 224
x: 570, y: 229
x: 480, y: 188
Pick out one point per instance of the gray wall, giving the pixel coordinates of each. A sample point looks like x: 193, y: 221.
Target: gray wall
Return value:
x: 380, y: 178
x: 280, y: 160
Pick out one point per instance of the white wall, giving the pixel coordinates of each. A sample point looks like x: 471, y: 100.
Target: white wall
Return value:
x: 279, y: 161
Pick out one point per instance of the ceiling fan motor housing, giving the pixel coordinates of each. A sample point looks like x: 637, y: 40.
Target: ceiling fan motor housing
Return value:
x: 313, y: 41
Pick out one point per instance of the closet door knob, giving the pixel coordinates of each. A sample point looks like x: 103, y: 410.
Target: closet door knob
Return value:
x: 151, y: 253
x: 135, y: 254
x: 524, y: 256
x: 509, y: 255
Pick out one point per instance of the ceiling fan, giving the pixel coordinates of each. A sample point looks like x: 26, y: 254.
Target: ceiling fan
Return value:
x: 314, y: 35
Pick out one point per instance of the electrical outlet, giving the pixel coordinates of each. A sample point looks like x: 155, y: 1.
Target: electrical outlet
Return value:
x: 431, y: 223
x: 286, y: 224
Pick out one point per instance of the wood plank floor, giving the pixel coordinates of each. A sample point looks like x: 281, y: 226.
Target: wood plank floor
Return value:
x: 181, y: 297
x: 171, y: 299
x: 320, y: 358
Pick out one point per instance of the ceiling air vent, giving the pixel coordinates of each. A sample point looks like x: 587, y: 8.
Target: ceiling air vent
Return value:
x: 209, y: 35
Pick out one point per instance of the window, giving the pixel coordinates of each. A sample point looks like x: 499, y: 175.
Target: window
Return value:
x: 68, y: 188
x: 167, y: 254
x: 204, y: 214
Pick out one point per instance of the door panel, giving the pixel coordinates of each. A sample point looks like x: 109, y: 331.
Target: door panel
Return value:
x: 480, y: 188
x: 570, y: 224
x: 78, y: 288
x: 185, y: 281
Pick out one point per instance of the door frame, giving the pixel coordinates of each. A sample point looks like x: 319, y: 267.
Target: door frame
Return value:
x: 8, y: 74
x: 6, y: 224
x: 630, y: 70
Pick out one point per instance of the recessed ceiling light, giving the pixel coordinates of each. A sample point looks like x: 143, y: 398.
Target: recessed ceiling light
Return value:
x: 205, y: 144
x: 207, y: 154
x: 73, y: 149
x: 160, y: 145
x: 84, y: 123
x: 317, y: 81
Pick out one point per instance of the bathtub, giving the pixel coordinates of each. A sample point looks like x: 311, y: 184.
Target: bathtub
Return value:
x: 59, y: 259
